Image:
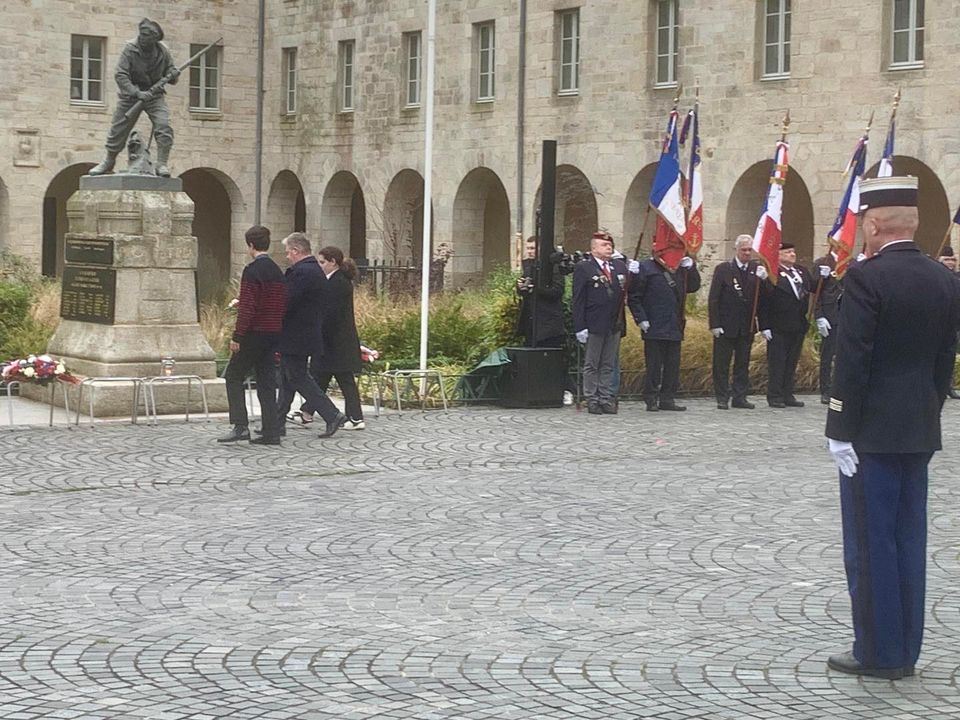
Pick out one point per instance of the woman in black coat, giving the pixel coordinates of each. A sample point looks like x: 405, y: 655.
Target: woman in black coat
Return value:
x: 341, y: 346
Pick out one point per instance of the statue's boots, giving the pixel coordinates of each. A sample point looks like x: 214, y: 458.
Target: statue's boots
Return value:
x: 163, y: 156
x: 105, y: 166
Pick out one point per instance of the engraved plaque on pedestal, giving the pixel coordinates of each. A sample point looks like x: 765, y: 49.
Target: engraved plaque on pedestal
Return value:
x: 89, y: 294
x: 89, y: 251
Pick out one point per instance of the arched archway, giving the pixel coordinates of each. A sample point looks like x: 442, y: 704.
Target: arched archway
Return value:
x: 481, y: 226
x: 343, y: 215
x: 402, y: 217
x: 746, y: 204
x: 575, y: 219
x: 4, y: 214
x: 213, y: 203
x: 64, y: 184
x: 933, y: 206
x: 286, y: 211
x: 635, y: 212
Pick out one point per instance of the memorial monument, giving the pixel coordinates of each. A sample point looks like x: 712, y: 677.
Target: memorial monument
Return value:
x: 129, y: 296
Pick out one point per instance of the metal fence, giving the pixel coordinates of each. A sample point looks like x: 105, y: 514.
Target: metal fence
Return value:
x: 397, y: 278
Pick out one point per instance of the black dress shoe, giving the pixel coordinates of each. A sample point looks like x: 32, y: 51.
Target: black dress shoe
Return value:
x: 953, y: 394
x: 262, y: 440
x: 335, y: 424
x: 722, y: 405
x: 846, y: 663
x: 793, y: 402
x: 824, y: 399
x: 672, y: 406
x: 652, y: 407
x: 743, y: 404
x: 239, y: 432
x: 776, y: 403
x: 594, y: 408
x: 609, y: 408
x: 281, y: 430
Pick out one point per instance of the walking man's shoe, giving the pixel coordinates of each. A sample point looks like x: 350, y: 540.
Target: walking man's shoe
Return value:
x: 239, y: 432
x: 352, y: 424
x: 846, y: 663
x: 335, y: 424
x: 265, y: 440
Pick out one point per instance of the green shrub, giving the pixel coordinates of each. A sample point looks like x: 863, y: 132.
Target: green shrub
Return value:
x: 15, y: 301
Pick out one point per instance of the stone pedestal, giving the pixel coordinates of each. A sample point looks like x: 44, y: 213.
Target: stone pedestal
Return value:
x: 129, y: 286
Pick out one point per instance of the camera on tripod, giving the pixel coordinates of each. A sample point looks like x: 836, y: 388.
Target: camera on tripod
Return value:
x: 567, y: 261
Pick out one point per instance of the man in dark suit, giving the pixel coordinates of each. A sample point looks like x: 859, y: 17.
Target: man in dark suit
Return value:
x: 302, y: 335
x: 783, y: 323
x: 730, y: 309
x: 826, y: 310
x: 599, y: 320
x: 657, y: 295
x: 896, y: 340
x: 549, y: 302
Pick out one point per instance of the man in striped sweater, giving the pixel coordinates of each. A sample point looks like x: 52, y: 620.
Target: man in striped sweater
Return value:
x: 262, y: 303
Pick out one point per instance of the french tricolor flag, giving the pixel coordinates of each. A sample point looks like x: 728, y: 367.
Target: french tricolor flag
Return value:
x: 843, y: 235
x: 886, y: 162
x: 766, y: 240
x: 666, y: 195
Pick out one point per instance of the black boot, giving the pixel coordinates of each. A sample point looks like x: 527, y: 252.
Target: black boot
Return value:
x: 239, y: 432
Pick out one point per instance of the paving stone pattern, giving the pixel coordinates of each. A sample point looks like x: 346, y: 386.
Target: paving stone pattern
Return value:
x: 465, y: 564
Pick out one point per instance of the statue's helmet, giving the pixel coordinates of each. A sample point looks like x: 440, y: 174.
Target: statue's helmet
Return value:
x: 153, y: 25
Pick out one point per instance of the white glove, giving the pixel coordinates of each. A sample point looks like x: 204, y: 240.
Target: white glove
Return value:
x: 767, y: 335
x: 687, y: 262
x: 844, y: 456
x: 645, y: 325
x: 761, y: 272
x: 582, y: 336
x: 823, y: 327
x: 634, y: 267
x: 717, y: 332
x: 861, y: 257
x: 825, y: 271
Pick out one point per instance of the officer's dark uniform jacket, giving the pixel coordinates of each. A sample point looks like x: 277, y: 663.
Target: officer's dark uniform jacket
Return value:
x: 780, y: 309
x: 657, y: 296
x: 597, y: 305
x: 549, y: 305
x: 828, y: 291
x: 895, y: 352
x: 730, y: 304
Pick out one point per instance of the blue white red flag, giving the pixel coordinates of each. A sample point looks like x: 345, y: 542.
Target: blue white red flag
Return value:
x: 886, y: 162
x: 769, y: 233
x: 843, y: 234
x: 694, y: 236
x: 666, y: 195
x: 956, y: 218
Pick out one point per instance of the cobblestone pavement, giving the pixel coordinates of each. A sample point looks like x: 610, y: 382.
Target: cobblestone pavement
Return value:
x: 464, y: 564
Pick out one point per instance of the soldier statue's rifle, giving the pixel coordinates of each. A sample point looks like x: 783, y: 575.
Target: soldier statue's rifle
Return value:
x: 158, y: 86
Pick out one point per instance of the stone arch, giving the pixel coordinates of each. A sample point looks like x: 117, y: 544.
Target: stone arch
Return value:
x: 933, y: 206
x: 402, y: 218
x: 343, y: 215
x: 64, y: 184
x: 635, y: 214
x: 481, y: 227
x: 575, y: 219
x: 216, y: 200
x: 286, y: 210
x: 4, y: 215
x: 746, y: 203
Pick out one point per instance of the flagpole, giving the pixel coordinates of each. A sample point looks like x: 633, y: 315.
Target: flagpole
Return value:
x: 427, y: 185
x: 943, y: 243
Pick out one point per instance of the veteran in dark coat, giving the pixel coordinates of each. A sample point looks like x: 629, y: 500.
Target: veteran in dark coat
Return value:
x: 656, y: 300
x: 783, y: 322
x: 896, y: 339
x: 302, y: 334
x: 599, y: 286
x: 826, y: 310
x: 730, y: 309
x: 548, y: 305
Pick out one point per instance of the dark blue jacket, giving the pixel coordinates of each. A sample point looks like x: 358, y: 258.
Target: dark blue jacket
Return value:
x: 302, y: 332
x: 896, y: 338
x: 341, y: 346
x: 657, y: 296
x: 598, y: 305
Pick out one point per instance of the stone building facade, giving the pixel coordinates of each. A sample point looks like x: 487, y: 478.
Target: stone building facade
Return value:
x: 344, y: 124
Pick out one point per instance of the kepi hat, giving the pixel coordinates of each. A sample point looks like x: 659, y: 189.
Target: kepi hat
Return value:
x: 888, y: 192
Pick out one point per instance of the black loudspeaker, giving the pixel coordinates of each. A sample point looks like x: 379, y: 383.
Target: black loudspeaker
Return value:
x: 535, y: 378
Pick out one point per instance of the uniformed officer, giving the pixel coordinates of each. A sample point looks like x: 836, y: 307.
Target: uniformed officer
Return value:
x: 896, y: 339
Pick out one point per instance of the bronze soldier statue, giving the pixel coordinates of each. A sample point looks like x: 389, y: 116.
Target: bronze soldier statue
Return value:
x: 144, y: 68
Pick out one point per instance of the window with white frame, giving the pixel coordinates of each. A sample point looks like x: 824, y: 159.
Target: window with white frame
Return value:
x: 290, y: 70
x: 205, y: 79
x: 347, y: 50
x: 413, y: 54
x: 86, y: 69
x: 569, y: 37
x: 776, y: 38
x: 907, y: 32
x: 486, y: 44
x: 667, y: 42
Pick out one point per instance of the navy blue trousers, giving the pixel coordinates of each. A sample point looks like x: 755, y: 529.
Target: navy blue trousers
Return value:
x: 884, y: 510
